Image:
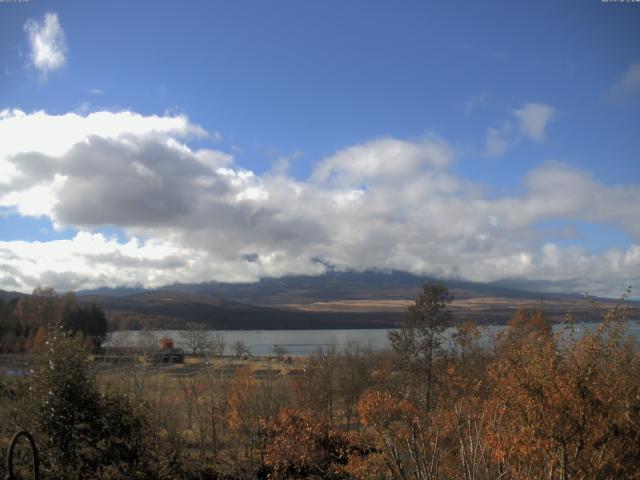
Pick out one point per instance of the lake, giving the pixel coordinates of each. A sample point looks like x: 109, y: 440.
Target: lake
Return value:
x: 306, y: 342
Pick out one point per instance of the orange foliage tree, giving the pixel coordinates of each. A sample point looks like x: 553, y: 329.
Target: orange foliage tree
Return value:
x: 408, y: 441
x: 301, y: 446
x: 572, y: 406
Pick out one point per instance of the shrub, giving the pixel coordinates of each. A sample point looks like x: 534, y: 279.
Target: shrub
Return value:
x: 84, y: 433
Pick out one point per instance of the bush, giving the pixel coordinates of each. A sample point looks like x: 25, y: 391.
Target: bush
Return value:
x: 84, y: 433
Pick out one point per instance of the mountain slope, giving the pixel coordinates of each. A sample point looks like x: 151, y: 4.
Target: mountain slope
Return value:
x: 335, y: 300
x: 339, y: 300
x: 172, y: 309
x: 348, y: 285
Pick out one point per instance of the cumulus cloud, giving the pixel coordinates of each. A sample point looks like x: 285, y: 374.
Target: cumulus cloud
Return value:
x: 627, y: 88
x: 192, y: 215
x: 384, y: 159
x: 66, y: 131
x: 532, y: 120
x: 47, y: 43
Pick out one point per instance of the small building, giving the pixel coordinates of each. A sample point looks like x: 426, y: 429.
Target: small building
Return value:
x: 168, y: 355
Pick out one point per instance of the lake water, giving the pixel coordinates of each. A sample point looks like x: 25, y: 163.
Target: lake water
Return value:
x: 306, y: 342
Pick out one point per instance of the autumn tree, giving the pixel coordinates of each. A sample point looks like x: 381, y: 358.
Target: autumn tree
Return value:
x: 41, y: 309
x: 240, y: 348
x: 353, y: 378
x: 527, y: 321
x: 30, y: 316
x: 243, y: 415
x: 419, y: 338
x: 147, y: 342
x: 213, y: 412
x: 316, y: 390
x: 408, y: 439
x: 216, y: 344
x: 301, y: 446
x: 572, y: 409
x: 195, y: 337
x: 466, y: 338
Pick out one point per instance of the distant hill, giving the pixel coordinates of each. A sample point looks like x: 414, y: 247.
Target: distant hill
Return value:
x: 112, y: 292
x: 334, y: 300
x: 369, y: 299
x: 6, y: 295
x: 348, y: 285
x: 171, y: 309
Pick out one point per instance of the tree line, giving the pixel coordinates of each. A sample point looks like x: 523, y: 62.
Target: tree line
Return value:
x: 25, y: 321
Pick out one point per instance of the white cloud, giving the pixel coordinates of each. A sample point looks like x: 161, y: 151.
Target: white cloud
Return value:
x: 35, y: 201
x: 47, y: 43
x: 627, y: 88
x: 81, y: 260
x: 496, y: 143
x: 62, y: 132
x: 534, y: 118
x: 384, y: 159
x: 532, y: 121
x: 387, y: 203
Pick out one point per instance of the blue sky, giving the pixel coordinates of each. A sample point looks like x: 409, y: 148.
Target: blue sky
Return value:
x: 485, y: 102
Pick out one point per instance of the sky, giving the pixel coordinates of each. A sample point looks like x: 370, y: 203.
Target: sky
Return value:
x: 150, y: 143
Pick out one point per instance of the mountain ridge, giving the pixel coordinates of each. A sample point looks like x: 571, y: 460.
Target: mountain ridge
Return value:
x: 335, y: 285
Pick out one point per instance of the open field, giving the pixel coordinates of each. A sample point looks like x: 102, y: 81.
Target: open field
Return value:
x: 223, y: 367
x: 484, y: 310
